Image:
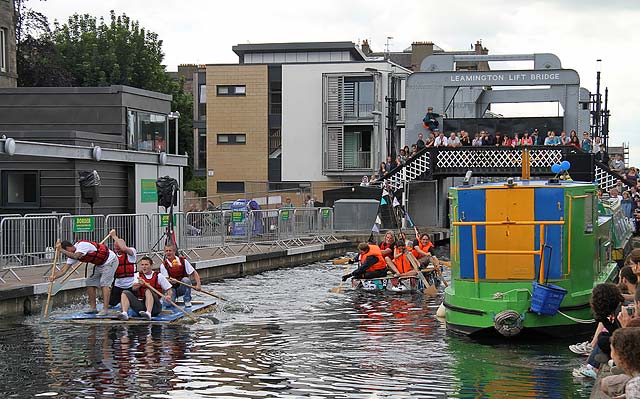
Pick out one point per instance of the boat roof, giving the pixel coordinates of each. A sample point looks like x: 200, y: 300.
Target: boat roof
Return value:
x: 525, y: 184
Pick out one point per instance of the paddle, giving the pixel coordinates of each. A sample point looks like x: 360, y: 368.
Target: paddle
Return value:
x: 61, y: 283
x: 437, y: 266
x: 53, y: 272
x: 446, y: 263
x: 149, y: 286
x: 193, y: 287
x: 342, y: 261
x: 338, y: 289
x: 430, y: 289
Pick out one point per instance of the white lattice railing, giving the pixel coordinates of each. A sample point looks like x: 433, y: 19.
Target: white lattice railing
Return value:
x: 496, y: 158
x: 607, y: 180
x: 411, y: 171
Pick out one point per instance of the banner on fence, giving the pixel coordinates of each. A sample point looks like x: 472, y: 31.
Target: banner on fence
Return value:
x: 83, y: 224
x: 164, y: 220
x: 237, y: 216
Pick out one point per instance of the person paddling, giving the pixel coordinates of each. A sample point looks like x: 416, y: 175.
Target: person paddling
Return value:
x: 179, y: 269
x: 105, y: 263
x: 124, y: 276
x: 372, y: 263
x: 145, y: 301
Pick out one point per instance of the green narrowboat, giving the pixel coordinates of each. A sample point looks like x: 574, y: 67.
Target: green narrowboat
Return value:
x: 517, y: 247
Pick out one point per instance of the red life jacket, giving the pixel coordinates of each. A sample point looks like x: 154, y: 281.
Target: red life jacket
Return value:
x: 374, y: 250
x: 402, y: 263
x: 97, y: 258
x: 153, y: 281
x: 176, y: 271
x: 125, y: 267
x: 384, y: 245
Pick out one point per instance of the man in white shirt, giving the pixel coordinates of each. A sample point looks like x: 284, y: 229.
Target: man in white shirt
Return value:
x: 105, y: 261
x: 454, y: 141
x: 145, y: 302
x: 440, y: 141
x: 124, y: 276
x: 177, y: 268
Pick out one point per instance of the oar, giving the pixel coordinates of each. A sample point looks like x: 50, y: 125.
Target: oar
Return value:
x: 193, y: 287
x: 338, y: 289
x: 170, y: 301
x: 342, y: 261
x: 66, y: 277
x: 437, y: 266
x: 53, y: 272
x: 446, y: 263
x: 430, y: 289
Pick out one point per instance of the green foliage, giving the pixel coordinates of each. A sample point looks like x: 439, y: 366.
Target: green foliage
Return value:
x: 197, y: 184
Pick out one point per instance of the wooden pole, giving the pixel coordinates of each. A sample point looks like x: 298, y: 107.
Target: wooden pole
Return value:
x: 170, y: 301
x: 338, y: 289
x: 429, y: 289
x: 193, y: 287
x: 53, y: 272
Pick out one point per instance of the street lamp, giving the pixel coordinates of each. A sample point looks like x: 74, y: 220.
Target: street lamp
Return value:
x: 175, y: 115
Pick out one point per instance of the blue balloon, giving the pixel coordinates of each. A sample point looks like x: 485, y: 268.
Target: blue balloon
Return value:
x: 555, y: 168
x: 565, y: 165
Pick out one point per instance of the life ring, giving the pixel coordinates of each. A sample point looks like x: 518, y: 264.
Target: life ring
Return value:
x: 508, y: 323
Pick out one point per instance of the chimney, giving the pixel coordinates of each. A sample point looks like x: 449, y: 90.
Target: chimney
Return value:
x: 365, y: 47
x: 479, y: 49
x: 420, y: 51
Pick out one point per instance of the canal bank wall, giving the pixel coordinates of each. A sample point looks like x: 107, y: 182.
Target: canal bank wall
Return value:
x: 213, y: 264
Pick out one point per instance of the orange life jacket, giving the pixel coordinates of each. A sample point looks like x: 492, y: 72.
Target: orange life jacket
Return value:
x: 125, y: 267
x: 374, y: 250
x: 153, y: 281
x: 98, y: 257
x: 402, y: 263
x: 177, y: 272
x: 425, y: 248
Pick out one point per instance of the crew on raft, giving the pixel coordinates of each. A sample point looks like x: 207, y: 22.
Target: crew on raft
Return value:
x: 144, y: 301
x: 372, y: 263
x: 124, y: 275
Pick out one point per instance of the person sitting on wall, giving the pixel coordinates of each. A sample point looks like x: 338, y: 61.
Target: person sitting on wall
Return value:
x: 372, y: 263
x: 430, y: 120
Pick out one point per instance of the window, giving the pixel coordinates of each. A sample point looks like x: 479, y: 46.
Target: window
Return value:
x: 232, y: 139
x: 275, y: 98
x: 146, y: 131
x: 231, y: 90
x: 230, y: 187
x: 20, y: 189
x: 3, y: 50
x: 202, y: 148
x: 203, y: 94
x: 275, y: 140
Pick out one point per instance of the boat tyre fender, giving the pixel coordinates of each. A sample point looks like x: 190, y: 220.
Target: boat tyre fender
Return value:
x: 508, y: 323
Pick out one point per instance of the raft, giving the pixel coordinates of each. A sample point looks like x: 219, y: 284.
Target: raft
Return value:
x: 169, y: 315
x: 396, y: 284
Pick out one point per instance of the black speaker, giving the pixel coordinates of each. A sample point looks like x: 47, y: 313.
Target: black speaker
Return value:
x: 89, y: 186
x: 167, y: 191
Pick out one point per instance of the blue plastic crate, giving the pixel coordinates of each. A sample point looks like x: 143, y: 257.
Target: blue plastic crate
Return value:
x: 546, y: 298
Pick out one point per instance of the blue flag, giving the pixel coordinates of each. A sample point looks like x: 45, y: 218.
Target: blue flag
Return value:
x: 383, y: 201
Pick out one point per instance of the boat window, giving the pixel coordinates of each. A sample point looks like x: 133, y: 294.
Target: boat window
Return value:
x: 588, y: 214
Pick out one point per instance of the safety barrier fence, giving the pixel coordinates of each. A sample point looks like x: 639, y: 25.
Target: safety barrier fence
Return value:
x: 27, y: 241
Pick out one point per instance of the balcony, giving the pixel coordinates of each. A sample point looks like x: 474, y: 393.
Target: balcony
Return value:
x: 358, y: 111
x: 358, y: 160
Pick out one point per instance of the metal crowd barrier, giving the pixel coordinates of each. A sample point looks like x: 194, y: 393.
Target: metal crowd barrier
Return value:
x: 29, y: 240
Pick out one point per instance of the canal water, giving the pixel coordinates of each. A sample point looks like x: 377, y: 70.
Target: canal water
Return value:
x: 282, y: 334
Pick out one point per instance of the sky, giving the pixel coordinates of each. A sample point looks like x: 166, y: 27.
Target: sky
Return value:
x: 578, y: 31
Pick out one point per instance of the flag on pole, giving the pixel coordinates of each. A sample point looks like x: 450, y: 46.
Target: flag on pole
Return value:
x: 375, y: 228
x: 395, y: 202
x: 384, y: 192
x: 406, y: 215
x: 383, y: 201
x: 378, y: 220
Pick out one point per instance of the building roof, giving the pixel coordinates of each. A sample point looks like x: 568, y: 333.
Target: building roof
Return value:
x: 241, y: 49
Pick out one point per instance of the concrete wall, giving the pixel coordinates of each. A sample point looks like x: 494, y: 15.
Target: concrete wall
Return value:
x: 302, y: 117
x: 237, y: 115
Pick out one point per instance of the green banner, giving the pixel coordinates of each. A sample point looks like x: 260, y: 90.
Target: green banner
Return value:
x: 164, y: 220
x: 326, y: 213
x: 148, y: 193
x: 284, y: 215
x: 83, y: 224
x: 237, y: 216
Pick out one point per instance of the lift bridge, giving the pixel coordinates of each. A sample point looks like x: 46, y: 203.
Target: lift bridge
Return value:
x: 466, y: 97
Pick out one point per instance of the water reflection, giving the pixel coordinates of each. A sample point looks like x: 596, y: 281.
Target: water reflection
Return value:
x: 284, y: 336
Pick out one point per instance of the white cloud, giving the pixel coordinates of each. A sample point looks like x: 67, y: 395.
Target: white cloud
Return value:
x: 577, y: 31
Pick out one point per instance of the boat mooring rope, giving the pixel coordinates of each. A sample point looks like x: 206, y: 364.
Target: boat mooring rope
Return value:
x: 583, y: 321
x: 508, y: 323
x: 499, y: 295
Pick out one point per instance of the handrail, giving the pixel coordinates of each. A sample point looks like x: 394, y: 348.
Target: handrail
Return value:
x: 476, y: 251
